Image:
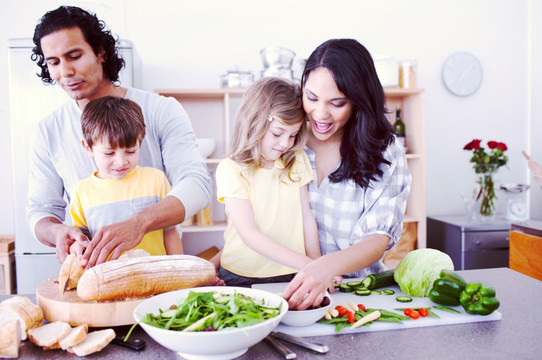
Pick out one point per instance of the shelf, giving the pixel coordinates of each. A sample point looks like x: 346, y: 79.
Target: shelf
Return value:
x: 201, y: 93
x: 213, y: 111
x: 217, y: 226
x: 212, y: 161
x: 399, y: 92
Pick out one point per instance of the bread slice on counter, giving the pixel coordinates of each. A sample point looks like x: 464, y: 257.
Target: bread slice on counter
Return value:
x: 76, y: 336
x: 23, y: 310
x: 94, y: 342
x: 10, y: 337
x: 49, y: 334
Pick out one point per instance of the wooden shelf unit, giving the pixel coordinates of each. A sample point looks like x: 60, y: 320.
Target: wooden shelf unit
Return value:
x: 212, y: 112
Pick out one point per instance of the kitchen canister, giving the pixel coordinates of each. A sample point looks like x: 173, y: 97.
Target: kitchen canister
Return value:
x: 407, y: 73
x: 203, y: 218
x: 235, y: 79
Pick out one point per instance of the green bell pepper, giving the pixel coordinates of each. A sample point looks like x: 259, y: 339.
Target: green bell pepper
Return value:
x: 447, y: 288
x: 479, y: 298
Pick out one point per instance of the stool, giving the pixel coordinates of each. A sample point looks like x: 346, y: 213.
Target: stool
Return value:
x: 7, y: 265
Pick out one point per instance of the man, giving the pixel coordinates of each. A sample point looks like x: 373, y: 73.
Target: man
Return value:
x: 75, y: 51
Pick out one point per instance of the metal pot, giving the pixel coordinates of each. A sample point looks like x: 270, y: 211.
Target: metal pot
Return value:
x: 277, y: 57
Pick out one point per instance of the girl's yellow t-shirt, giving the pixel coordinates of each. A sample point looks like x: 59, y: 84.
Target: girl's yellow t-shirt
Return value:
x: 276, y: 207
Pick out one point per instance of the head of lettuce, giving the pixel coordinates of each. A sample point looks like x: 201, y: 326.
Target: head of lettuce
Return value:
x: 418, y: 270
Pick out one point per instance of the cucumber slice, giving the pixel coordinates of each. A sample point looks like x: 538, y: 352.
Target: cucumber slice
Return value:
x: 362, y: 292
x: 345, y: 288
x: 403, y: 299
x: 354, y: 284
x: 375, y: 292
x: 387, y: 292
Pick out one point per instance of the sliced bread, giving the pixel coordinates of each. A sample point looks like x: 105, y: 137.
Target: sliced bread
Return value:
x: 76, y: 336
x: 49, y: 334
x: 94, y: 342
x: 10, y: 337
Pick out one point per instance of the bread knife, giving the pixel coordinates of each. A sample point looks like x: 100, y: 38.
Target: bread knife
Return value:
x: 300, y: 342
x: 134, y: 344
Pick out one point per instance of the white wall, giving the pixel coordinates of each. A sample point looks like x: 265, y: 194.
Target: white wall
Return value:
x: 189, y: 44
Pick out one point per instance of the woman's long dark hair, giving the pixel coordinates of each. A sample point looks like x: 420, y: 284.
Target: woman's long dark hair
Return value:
x: 94, y: 30
x: 367, y: 133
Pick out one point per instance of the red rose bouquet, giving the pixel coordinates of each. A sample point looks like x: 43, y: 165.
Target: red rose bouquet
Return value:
x: 485, y: 164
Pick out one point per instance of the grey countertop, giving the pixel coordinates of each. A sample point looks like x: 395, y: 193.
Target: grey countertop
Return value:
x: 516, y: 336
x: 531, y: 227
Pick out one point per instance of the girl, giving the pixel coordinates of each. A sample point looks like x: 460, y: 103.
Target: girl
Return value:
x: 271, y: 232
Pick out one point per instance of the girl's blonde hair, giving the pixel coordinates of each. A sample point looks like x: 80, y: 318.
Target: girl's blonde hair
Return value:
x: 268, y: 97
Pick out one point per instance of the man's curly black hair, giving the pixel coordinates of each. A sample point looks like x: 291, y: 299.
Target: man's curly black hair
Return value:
x: 94, y: 30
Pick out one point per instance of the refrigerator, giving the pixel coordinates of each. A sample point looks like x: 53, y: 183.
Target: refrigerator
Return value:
x: 29, y: 101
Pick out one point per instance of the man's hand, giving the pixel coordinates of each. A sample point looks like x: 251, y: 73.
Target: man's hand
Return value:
x: 65, y: 237
x: 113, y: 239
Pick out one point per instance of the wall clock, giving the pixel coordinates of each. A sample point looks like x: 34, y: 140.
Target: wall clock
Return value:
x: 517, y: 210
x: 462, y: 74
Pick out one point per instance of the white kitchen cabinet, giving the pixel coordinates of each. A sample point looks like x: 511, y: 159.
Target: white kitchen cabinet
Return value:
x: 213, y: 111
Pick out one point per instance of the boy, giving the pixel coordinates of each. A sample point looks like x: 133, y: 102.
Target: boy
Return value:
x: 113, y: 129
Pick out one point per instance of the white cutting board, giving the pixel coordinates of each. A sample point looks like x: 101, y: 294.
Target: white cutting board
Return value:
x: 387, y: 302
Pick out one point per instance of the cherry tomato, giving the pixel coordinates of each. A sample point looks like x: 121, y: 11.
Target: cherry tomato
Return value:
x: 351, y: 317
x: 423, y: 312
x: 361, y: 307
x: 342, y: 311
x: 408, y: 311
x: 415, y: 315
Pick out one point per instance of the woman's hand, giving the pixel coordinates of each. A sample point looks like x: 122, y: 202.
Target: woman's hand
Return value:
x: 309, y: 285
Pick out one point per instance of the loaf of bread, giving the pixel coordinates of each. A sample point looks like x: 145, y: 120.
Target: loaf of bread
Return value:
x: 20, y: 308
x: 134, y: 278
x: 10, y: 338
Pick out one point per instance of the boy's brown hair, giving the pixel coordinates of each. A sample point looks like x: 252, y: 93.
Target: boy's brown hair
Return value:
x: 117, y: 120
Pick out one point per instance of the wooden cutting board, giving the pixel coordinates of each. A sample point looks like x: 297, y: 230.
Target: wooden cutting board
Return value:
x: 71, y: 308
x: 387, y: 302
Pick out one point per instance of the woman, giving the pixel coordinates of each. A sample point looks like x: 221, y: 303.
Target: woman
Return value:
x: 362, y: 181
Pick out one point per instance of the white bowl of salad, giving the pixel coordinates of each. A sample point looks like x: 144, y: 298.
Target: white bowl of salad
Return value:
x: 213, y: 322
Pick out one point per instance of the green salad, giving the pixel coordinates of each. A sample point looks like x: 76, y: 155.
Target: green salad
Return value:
x: 212, y: 311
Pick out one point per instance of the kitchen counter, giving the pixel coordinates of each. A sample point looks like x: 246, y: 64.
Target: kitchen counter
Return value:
x: 516, y: 336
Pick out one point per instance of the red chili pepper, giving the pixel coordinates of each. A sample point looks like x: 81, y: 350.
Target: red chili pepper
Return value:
x: 361, y: 307
x: 423, y: 312
x: 351, y: 317
x: 342, y: 311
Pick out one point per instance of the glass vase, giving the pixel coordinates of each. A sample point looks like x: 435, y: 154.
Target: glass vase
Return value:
x: 486, y: 190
